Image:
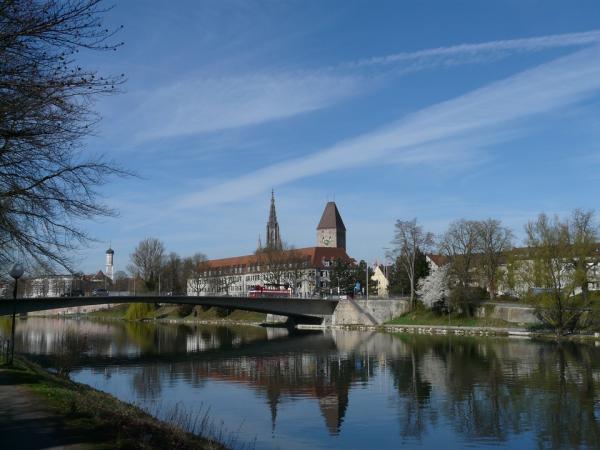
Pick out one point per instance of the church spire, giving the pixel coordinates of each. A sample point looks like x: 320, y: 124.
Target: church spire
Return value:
x: 273, y: 237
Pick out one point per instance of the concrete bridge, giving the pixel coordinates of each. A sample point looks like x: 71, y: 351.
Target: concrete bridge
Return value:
x: 311, y: 310
x: 298, y: 310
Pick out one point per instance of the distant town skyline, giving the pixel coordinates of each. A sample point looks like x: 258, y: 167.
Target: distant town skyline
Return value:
x: 397, y: 111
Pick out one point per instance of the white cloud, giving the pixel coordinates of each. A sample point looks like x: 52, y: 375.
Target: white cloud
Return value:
x: 547, y: 87
x: 463, y: 53
x: 208, y: 104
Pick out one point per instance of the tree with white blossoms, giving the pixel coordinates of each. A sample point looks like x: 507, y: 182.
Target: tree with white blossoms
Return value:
x: 434, y: 287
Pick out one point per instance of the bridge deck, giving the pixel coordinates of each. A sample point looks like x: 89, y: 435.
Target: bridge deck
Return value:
x: 292, y: 307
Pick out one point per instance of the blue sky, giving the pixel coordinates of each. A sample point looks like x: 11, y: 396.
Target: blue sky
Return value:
x: 432, y: 109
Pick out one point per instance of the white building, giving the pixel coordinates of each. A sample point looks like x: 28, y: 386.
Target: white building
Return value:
x: 53, y: 285
x: 305, y: 270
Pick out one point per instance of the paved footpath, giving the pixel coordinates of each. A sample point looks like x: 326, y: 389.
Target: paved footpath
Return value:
x: 27, y: 423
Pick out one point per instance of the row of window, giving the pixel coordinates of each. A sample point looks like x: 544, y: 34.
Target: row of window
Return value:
x: 258, y: 268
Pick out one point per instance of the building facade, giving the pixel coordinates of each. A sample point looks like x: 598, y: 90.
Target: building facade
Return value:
x: 305, y: 272
x: 53, y: 285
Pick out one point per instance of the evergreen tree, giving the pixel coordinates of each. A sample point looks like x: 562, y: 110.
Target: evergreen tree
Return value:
x: 342, y: 275
x: 399, y: 282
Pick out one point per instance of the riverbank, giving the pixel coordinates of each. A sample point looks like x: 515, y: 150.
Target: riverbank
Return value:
x: 55, y: 412
x: 187, y: 315
x: 429, y: 329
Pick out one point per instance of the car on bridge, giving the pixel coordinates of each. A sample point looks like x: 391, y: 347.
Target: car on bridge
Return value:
x: 73, y: 293
x: 100, y: 292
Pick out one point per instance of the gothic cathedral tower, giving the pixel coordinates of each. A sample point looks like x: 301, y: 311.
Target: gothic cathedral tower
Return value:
x: 273, y: 237
x: 331, y: 231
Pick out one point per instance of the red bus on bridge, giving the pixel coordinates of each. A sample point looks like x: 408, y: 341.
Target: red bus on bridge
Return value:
x: 270, y: 290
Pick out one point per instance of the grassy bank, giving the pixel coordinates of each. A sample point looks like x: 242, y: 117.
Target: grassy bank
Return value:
x: 103, y: 421
x: 183, y: 313
x: 427, y: 317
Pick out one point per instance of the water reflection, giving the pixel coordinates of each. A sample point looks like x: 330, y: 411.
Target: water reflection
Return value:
x: 409, y: 388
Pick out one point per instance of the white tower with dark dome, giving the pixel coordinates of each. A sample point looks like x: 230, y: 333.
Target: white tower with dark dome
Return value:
x: 109, y: 263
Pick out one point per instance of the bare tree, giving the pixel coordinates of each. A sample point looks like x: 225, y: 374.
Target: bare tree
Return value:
x: 584, y: 256
x: 46, y: 184
x: 460, y: 244
x: 549, y: 245
x: 147, y: 260
x: 172, y: 273
x: 409, y: 239
x: 194, y: 272
x: 221, y: 284
x: 282, y: 266
x: 494, y: 241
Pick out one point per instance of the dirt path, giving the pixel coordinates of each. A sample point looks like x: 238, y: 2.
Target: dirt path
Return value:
x: 26, y: 422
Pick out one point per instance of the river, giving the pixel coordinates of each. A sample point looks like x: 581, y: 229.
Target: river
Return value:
x: 340, y: 389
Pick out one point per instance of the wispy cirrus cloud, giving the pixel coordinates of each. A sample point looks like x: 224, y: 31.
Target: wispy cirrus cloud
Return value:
x: 207, y: 104
x: 465, y: 53
x: 548, y: 87
x: 218, y: 103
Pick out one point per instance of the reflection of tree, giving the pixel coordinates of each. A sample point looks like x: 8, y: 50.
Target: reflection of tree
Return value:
x: 413, y: 389
x: 566, y: 416
x: 485, y: 390
x: 490, y: 392
x: 147, y: 382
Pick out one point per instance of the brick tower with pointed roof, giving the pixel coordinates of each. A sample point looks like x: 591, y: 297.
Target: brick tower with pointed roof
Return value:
x: 331, y: 231
x: 273, y: 237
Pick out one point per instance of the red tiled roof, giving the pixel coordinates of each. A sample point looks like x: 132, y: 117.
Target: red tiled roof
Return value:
x: 438, y: 260
x: 315, y: 255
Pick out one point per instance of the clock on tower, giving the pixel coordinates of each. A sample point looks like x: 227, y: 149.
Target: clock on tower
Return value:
x: 331, y: 231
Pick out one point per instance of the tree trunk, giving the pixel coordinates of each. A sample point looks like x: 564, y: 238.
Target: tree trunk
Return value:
x: 585, y: 291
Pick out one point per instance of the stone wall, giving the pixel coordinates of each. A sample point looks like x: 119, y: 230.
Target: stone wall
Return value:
x: 384, y: 310
x: 348, y: 312
x: 274, y: 319
x: 72, y: 311
x: 514, y: 313
x: 368, y: 312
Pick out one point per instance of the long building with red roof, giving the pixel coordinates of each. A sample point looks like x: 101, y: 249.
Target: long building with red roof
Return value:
x: 302, y: 272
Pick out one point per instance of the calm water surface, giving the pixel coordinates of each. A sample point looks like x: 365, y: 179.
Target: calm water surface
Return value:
x: 337, y: 389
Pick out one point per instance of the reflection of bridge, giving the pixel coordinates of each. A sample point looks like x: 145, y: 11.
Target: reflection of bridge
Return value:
x: 298, y: 308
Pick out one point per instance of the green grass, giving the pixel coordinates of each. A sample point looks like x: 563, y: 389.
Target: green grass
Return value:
x: 426, y: 317
x: 176, y: 312
x: 116, y: 312
x: 102, y: 420
x: 235, y: 316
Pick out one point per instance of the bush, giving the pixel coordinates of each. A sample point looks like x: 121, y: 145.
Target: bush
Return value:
x: 560, y: 311
x: 467, y: 299
x: 139, y: 311
x: 184, y: 310
x: 222, y: 312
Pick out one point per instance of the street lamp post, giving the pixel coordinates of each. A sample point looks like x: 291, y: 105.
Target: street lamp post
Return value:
x: 16, y: 272
x: 367, y: 281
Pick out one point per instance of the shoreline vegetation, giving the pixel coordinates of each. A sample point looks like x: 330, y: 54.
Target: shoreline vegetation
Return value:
x: 101, y: 420
x: 419, y: 319
x: 180, y: 314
